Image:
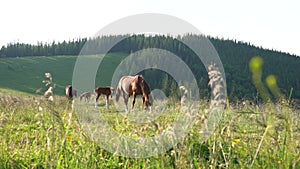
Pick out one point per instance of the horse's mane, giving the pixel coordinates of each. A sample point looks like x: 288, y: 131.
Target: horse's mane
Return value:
x: 144, y: 85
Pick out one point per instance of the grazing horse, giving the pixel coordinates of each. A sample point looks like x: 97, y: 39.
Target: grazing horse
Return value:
x: 107, y: 91
x: 70, y: 92
x: 86, y: 95
x: 133, y: 86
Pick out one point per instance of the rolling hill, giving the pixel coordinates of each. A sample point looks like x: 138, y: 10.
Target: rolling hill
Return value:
x: 26, y: 73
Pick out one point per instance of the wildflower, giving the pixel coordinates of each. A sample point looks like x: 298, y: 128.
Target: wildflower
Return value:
x: 216, y: 83
x: 184, y: 94
x: 235, y: 142
x: 48, y: 82
x: 49, y: 92
x: 256, y: 64
x: 50, y: 98
x: 48, y: 75
x: 68, y: 138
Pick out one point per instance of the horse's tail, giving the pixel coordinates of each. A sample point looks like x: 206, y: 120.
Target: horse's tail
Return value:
x: 118, y: 90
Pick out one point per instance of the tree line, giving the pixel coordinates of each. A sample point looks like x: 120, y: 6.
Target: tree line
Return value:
x: 71, y: 47
x: 235, y: 56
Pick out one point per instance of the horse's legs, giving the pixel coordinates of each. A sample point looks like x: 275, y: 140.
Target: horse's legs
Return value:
x: 143, y: 101
x: 118, y: 92
x: 106, y: 101
x: 125, y: 97
x: 133, y: 100
x: 96, y: 100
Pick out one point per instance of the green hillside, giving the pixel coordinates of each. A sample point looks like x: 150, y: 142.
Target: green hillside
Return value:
x: 26, y: 73
x: 11, y: 92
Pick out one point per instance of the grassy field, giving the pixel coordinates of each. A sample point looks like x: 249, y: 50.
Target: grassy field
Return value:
x: 36, y: 133
x: 26, y: 73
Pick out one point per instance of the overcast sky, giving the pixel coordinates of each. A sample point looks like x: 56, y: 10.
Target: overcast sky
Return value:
x: 272, y: 24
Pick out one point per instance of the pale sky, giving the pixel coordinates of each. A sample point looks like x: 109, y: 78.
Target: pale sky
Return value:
x: 272, y: 24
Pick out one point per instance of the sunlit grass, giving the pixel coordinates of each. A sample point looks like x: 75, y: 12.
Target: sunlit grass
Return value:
x: 53, y: 138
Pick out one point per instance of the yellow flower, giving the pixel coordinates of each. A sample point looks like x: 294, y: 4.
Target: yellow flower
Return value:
x: 271, y: 81
x: 235, y: 142
x: 68, y: 138
x: 256, y: 64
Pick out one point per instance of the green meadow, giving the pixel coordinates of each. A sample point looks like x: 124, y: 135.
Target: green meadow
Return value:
x: 26, y: 73
x: 38, y: 133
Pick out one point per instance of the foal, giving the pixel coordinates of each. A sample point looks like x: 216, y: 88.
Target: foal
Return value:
x: 107, y: 91
x: 86, y: 95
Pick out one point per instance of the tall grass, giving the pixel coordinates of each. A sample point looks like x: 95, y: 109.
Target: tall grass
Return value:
x: 36, y: 133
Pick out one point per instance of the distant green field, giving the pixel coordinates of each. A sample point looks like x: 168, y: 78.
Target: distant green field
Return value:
x: 26, y: 73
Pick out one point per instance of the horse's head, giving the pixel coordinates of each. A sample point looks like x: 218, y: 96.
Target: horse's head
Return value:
x: 111, y: 89
x: 139, y: 79
x: 150, y: 99
x: 146, y: 91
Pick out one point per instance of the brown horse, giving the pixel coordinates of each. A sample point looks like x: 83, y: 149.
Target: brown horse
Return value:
x: 70, y: 92
x: 133, y: 86
x: 107, y: 91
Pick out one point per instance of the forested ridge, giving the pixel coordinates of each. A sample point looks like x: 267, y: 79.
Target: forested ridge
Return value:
x: 235, y: 56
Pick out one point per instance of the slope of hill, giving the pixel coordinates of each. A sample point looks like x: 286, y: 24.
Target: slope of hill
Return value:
x: 26, y: 73
x: 235, y: 57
